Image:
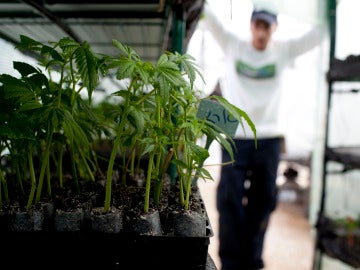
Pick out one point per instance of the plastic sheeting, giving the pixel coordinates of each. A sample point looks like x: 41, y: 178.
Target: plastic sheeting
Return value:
x: 310, y: 11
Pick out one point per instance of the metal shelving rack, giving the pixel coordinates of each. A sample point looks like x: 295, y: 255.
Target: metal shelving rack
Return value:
x: 347, y: 70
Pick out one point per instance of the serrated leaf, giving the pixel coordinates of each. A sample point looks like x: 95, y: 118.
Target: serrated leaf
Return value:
x: 17, y: 89
x: 170, y: 75
x: 38, y: 80
x: 164, y: 90
x: 148, y: 145
x: 68, y: 45
x: 163, y: 63
x: 30, y: 105
x: 136, y: 119
x: 122, y: 93
x: 72, y: 130
x: 86, y: 65
x: 54, y: 53
x: 197, y: 152
x: 27, y: 43
x: 126, y: 50
x: 24, y: 68
x: 143, y: 72
x: 191, y: 69
x: 126, y: 69
x: 204, y: 174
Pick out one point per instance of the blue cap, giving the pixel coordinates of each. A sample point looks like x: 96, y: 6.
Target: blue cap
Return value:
x: 264, y: 15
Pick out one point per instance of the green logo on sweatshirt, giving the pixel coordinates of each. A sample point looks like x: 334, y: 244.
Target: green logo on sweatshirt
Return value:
x: 263, y: 72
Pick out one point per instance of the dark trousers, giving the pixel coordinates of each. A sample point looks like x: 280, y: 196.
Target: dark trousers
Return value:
x: 246, y: 196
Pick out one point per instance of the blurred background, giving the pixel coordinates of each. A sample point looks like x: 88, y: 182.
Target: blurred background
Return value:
x: 313, y: 121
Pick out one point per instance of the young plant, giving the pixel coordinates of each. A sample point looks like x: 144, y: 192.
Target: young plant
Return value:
x: 158, y: 120
x: 53, y: 110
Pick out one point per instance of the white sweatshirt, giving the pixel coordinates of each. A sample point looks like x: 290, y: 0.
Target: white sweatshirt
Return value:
x: 252, y: 78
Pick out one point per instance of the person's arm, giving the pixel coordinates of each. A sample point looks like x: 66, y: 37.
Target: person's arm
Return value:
x: 215, y: 26
x: 306, y: 42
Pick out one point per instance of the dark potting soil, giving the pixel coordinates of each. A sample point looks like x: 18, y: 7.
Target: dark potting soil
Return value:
x: 74, y: 232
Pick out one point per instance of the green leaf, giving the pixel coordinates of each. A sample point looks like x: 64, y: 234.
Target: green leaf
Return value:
x: 237, y: 113
x: 15, y: 88
x: 126, y: 69
x: 148, y: 144
x: 122, y: 93
x: 197, y: 152
x: 136, y: 119
x: 30, y: 105
x: 190, y: 67
x: 203, y: 173
x: 126, y: 50
x: 24, y: 68
x: 5, y: 132
x: 38, y: 80
x: 68, y: 45
x: 21, y: 127
x: 54, y: 53
x: 72, y: 130
x: 143, y: 69
x: 170, y: 73
x: 27, y: 43
x: 87, y: 67
x: 8, y: 79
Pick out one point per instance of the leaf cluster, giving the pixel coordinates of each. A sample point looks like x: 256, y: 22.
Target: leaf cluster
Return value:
x: 47, y: 121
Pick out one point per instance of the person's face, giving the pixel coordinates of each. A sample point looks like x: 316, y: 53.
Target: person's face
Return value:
x: 261, y: 33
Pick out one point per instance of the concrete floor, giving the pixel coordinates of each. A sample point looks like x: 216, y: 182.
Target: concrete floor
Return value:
x: 289, y: 242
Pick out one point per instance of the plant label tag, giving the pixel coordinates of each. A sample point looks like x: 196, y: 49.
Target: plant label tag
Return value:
x: 218, y: 115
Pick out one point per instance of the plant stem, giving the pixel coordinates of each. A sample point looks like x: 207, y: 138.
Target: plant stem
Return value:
x: 109, y: 173
x: 44, y: 164
x: 4, y: 185
x: 148, y: 182
x: 117, y: 141
x: 158, y: 178
x: 73, y: 169
x: 60, y: 168
x: 88, y: 170
x: 48, y: 176
x: 162, y: 174
x: 187, y: 177
x: 33, y: 180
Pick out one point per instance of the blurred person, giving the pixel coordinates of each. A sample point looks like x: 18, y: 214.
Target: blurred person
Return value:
x: 247, y: 191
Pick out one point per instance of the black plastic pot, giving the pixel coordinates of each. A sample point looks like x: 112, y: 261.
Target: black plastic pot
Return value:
x: 32, y: 247
x: 90, y: 250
